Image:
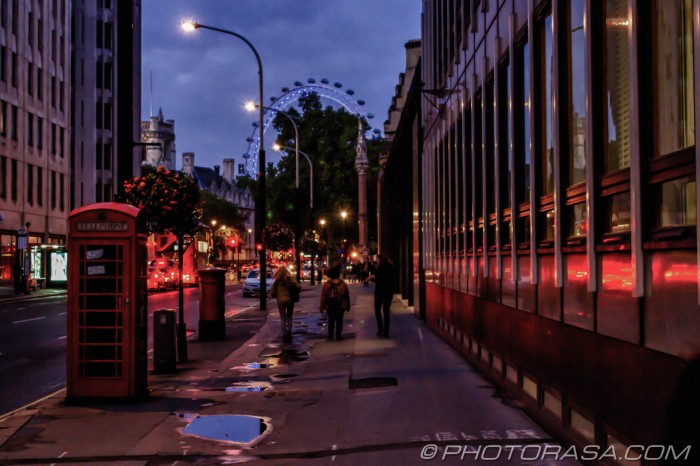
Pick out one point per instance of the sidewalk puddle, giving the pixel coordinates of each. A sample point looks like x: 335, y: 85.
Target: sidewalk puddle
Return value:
x: 249, y: 387
x: 240, y: 429
x: 254, y: 366
x: 283, y: 376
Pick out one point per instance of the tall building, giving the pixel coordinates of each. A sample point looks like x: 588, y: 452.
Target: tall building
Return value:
x: 35, y: 113
x: 550, y: 228
x: 106, y: 59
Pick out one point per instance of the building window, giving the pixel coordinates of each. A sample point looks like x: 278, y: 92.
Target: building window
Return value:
x: 577, y: 93
x: 61, y: 95
x: 30, y: 28
x: 98, y: 74
x: 617, y: 92
x: 30, y: 129
x: 15, y: 70
x: 13, y: 181
x: 3, y: 177
x: 39, y: 133
x: 490, y: 161
x: 40, y: 32
x: 620, y: 218
x: 98, y: 115
x: 53, y: 91
x: 30, y: 79
x: 504, y: 145
x: 543, y: 110
x: 107, y: 84
x: 673, y: 79
x: 15, y: 16
x: 40, y: 186
x: 61, y: 141
x: 53, y: 190
x: 99, y: 33
x: 53, y: 138
x: 676, y: 203
x: 62, y: 194
x: 3, y: 118
x: 39, y: 84
x: 577, y: 216
x: 108, y: 116
x: 108, y: 36
x: 30, y: 184
x: 521, y: 143
x: 3, y: 63
x: 14, y: 124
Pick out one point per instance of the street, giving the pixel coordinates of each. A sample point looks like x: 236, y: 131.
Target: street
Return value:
x: 33, y: 341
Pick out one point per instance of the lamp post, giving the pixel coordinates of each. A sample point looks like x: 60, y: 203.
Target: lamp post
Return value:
x: 297, y: 211
x: 278, y: 147
x: 191, y: 26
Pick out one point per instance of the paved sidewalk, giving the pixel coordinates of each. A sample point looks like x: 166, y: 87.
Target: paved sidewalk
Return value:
x: 7, y: 294
x: 363, y: 400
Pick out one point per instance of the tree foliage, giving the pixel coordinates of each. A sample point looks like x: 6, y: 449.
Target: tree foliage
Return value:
x: 329, y: 137
x: 224, y: 212
x: 169, y: 201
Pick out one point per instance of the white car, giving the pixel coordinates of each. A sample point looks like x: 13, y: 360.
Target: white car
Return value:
x: 252, y: 283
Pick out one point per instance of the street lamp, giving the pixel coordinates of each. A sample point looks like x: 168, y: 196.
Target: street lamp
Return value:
x: 251, y: 106
x: 191, y: 26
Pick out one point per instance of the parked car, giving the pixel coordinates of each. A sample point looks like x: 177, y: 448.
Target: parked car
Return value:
x: 252, y: 283
x: 156, y: 280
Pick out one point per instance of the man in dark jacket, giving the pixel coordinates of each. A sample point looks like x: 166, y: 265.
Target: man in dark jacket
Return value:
x: 335, y: 299
x: 384, y: 276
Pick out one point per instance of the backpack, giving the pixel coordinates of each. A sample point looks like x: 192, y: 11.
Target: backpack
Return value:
x: 334, y: 298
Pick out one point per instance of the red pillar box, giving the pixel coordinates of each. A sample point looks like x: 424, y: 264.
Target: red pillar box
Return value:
x: 107, y: 304
x: 212, y: 318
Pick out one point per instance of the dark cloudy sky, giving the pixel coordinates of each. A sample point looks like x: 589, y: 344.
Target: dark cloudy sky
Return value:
x: 201, y: 79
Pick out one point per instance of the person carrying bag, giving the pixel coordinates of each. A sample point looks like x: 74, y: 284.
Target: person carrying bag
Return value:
x: 335, y: 299
x: 286, y: 291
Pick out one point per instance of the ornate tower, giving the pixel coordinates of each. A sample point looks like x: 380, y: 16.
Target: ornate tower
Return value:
x: 361, y: 166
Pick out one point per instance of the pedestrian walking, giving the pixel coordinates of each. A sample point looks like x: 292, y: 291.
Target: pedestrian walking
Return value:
x: 286, y: 291
x: 384, y: 277
x: 335, y: 299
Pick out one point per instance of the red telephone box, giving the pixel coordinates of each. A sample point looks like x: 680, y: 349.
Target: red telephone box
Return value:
x: 107, y: 303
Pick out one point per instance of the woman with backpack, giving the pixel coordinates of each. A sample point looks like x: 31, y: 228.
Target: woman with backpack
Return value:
x: 335, y: 299
x: 286, y: 291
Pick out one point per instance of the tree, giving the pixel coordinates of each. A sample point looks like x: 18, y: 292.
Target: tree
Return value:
x: 170, y: 202
x: 224, y: 212
x: 329, y: 136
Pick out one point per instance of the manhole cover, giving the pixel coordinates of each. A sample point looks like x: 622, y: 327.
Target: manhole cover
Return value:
x: 372, y: 382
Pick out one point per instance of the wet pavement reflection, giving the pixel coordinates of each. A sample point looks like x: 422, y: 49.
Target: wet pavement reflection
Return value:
x: 236, y: 428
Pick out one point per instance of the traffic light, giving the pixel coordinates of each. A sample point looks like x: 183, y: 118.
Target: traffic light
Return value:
x: 258, y: 248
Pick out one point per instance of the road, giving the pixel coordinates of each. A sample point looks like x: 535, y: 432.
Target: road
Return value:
x: 33, y: 341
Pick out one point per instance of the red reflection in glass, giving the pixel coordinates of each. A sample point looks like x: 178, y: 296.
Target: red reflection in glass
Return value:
x: 617, y: 276
x: 574, y: 274
x: 681, y: 273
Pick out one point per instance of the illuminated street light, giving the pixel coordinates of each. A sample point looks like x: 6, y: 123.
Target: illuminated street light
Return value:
x: 189, y: 26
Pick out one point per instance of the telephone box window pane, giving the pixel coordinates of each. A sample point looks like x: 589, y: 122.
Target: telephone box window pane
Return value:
x: 101, y: 335
x: 620, y: 217
x: 677, y: 203
x: 101, y: 352
x: 101, y: 369
x: 101, y: 302
x: 507, y: 285
x: 617, y: 92
x: 548, y: 233
x: 674, y: 80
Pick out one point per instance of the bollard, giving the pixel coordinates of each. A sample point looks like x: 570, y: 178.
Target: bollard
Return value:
x: 164, y: 352
x: 212, y: 319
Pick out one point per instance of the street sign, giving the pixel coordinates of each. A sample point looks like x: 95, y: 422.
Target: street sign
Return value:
x: 22, y: 238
